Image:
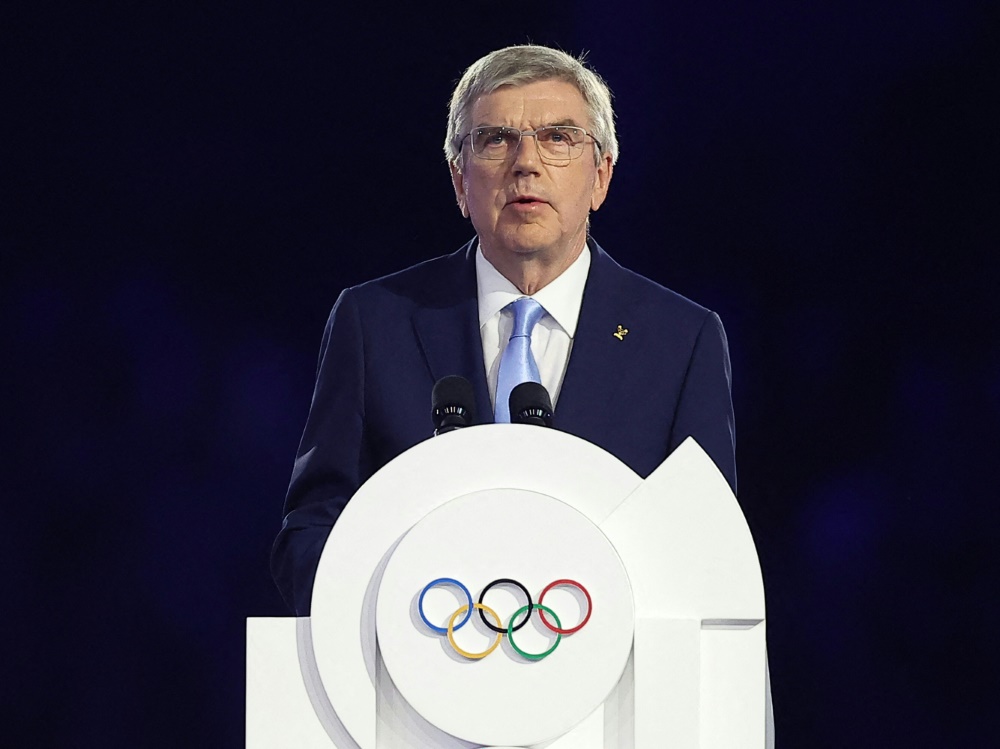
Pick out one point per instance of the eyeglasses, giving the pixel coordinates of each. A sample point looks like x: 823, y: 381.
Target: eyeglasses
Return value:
x: 558, y: 144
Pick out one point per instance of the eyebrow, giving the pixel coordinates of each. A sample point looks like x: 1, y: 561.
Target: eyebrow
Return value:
x: 568, y: 121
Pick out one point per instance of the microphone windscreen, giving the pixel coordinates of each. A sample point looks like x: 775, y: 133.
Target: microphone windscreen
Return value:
x: 530, y: 404
x: 452, y: 403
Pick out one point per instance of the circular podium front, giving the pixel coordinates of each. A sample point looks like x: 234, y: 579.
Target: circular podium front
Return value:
x: 511, y: 696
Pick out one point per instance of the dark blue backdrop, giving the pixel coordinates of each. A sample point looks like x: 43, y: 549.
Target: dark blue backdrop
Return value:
x: 186, y: 190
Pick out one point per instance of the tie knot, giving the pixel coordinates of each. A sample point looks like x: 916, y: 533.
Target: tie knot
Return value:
x: 527, y: 312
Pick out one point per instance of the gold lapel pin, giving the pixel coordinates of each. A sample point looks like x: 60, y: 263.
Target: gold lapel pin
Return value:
x: 620, y: 333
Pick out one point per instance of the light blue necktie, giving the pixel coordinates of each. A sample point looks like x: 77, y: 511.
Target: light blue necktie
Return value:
x: 517, y: 365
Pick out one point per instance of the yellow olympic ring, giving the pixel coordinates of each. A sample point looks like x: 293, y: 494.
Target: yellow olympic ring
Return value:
x: 451, y: 632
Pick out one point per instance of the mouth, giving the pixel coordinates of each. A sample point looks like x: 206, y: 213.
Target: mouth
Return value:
x: 526, y: 201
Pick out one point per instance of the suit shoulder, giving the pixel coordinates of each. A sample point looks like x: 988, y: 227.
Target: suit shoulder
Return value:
x: 656, y: 299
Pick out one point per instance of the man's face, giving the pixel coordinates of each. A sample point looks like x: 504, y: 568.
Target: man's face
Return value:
x: 521, y: 206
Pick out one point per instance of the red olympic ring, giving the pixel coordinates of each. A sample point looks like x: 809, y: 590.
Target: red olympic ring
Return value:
x: 557, y: 630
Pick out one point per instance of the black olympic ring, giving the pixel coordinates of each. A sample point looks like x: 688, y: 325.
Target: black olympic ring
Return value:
x: 527, y: 595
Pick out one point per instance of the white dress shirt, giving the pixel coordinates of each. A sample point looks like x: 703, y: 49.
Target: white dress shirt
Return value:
x: 552, y: 338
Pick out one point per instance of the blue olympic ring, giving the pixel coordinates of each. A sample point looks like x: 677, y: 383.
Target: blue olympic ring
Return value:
x: 444, y: 581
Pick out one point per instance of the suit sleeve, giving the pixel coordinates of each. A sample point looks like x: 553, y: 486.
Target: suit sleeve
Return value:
x: 705, y: 407
x: 327, y: 466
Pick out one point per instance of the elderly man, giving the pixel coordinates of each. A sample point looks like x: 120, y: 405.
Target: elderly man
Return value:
x: 630, y: 365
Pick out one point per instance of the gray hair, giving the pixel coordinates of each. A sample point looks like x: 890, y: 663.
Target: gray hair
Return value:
x: 529, y: 63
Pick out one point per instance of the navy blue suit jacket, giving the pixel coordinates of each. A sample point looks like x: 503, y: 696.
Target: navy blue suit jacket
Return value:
x: 388, y: 341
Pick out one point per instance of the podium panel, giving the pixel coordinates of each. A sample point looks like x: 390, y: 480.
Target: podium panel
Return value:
x: 427, y: 628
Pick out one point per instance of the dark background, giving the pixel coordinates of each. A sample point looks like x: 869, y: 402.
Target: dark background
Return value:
x: 186, y: 189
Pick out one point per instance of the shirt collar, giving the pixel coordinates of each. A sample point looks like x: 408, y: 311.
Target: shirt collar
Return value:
x: 561, y: 299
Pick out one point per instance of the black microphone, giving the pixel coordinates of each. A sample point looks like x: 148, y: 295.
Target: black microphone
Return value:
x: 530, y: 404
x: 452, y: 404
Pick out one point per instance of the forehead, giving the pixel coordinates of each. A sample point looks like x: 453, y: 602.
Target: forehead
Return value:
x: 533, y: 104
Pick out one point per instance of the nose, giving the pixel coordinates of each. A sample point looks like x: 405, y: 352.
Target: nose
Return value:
x: 526, y: 158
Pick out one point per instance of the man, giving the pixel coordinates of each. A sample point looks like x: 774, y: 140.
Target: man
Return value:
x: 630, y: 365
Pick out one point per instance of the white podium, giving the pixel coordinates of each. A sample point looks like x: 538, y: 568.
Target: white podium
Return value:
x: 662, y: 573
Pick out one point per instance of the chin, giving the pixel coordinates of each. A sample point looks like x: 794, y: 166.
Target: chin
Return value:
x: 528, y: 242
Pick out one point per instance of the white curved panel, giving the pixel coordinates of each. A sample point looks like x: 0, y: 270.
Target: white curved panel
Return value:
x: 400, y: 495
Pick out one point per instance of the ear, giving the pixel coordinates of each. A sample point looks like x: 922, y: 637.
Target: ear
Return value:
x: 458, y: 182
x: 601, y: 182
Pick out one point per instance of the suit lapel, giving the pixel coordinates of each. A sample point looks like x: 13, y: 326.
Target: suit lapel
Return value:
x: 448, y: 330
x: 599, y: 360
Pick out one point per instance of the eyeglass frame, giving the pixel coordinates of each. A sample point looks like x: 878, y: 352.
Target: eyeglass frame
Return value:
x: 520, y: 137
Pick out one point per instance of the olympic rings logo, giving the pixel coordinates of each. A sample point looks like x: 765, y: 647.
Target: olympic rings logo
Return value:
x: 511, y: 627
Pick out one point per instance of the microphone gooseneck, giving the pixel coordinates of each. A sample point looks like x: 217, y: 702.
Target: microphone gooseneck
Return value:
x: 452, y: 404
x: 530, y: 404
